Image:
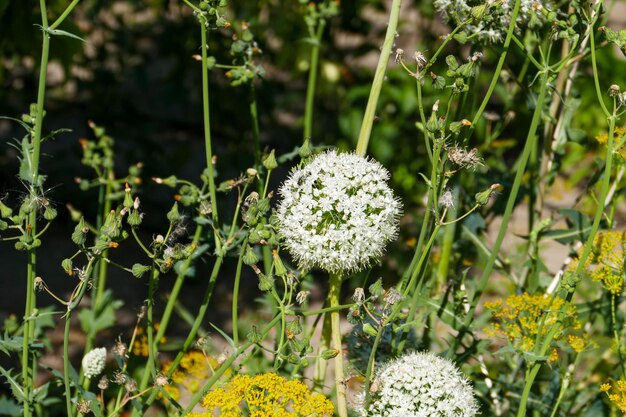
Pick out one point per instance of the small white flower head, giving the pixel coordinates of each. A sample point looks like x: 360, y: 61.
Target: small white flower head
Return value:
x: 420, y: 384
x: 337, y: 213
x: 93, y: 362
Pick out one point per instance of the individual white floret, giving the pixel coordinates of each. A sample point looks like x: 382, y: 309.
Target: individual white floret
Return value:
x: 420, y: 385
x: 93, y: 362
x: 337, y: 213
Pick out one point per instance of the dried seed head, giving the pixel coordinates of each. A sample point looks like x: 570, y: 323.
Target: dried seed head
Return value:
x: 160, y: 380
x: 420, y: 59
x: 130, y: 385
x: 399, y: 54
x: 302, y: 296
x: 83, y: 407
x: 39, y: 284
x: 614, y: 90
x: 392, y: 296
x: 103, y: 383
x: 359, y: 295
x: 446, y: 200
x: 119, y: 378
x: 120, y: 348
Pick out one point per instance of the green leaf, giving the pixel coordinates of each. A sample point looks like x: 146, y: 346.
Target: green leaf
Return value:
x: 230, y: 341
x: 94, y: 322
x: 10, y: 344
x: 9, y: 407
x: 57, y: 32
x: 16, y: 389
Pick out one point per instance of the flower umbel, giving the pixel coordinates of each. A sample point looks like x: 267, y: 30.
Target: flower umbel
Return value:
x: 420, y: 384
x: 616, y: 393
x: 337, y: 212
x: 265, y: 395
x: 93, y: 362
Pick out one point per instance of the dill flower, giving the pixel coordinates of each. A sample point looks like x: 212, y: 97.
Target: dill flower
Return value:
x: 337, y: 212
x: 618, y: 134
x: 93, y: 362
x: 491, y: 25
x: 265, y: 395
x: 521, y: 319
x: 606, y: 261
x: 420, y: 384
x: 194, y: 368
x: 616, y: 393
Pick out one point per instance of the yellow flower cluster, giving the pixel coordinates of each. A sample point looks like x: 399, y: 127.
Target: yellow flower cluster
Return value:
x: 194, y: 368
x: 265, y: 395
x: 618, y: 135
x: 616, y: 393
x: 522, y: 319
x: 141, y: 346
x: 605, y: 264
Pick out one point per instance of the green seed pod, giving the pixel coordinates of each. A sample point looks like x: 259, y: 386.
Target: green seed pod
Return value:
x: 370, y: 330
x: 305, y: 150
x: 279, y: 267
x: 83, y: 185
x: 250, y: 258
x: 20, y: 246
x: 67, y: 265
x: 329, y: 353
x: 270, y: 161
x: 36, y: 243
x: 253, y: 335
x: 483, y: 197
x: 265, y: 283
x: 49, y: 213
x: 128, y: 198
x: 263, y: 205
x: 5, y: 211
x: 79, y: 236
x: 173, y: 214
x: 134, y: 218
x: 3, y: 225
x: 169, y: 181
x: 295, y: 327
x: 139, y: 269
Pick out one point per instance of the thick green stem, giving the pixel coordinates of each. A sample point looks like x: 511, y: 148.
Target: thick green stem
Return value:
x: 530, y: 378
x: 379, y: 78
x: 31, y: 272
x: 310, y: 88
x: 333, y: 301
x: 235, y: 312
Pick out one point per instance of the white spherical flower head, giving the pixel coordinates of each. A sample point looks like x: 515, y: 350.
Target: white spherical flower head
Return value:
x: 93, y: 362
x: 337, y: 212
x: 420, y: 385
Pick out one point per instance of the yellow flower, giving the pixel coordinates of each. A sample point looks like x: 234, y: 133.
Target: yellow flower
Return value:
x: 524, y: 319
x: 616, y: 393
x: 140, y: 346
x: 606, y: 261
x: 618, y: 135
x: 193, y: 369
x: 265, y: 395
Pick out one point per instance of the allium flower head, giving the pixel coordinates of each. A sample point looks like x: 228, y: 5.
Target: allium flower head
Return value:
x: 420, y: 385
x: 492, y: 25
x: 337, y: 212
x: 93, y: 362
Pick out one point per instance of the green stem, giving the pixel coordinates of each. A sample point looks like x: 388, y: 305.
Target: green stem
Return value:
x: 207, y: 125
x: 256, y: 136
x: 530, y: 378
x: 496, y: 74
x: 310, y: 88
x: 66, y: 365
x: 379, y: 78
x: 31, y: 271
x: 235, y: 313
x: 65, y: 13
x: 333, y: 301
